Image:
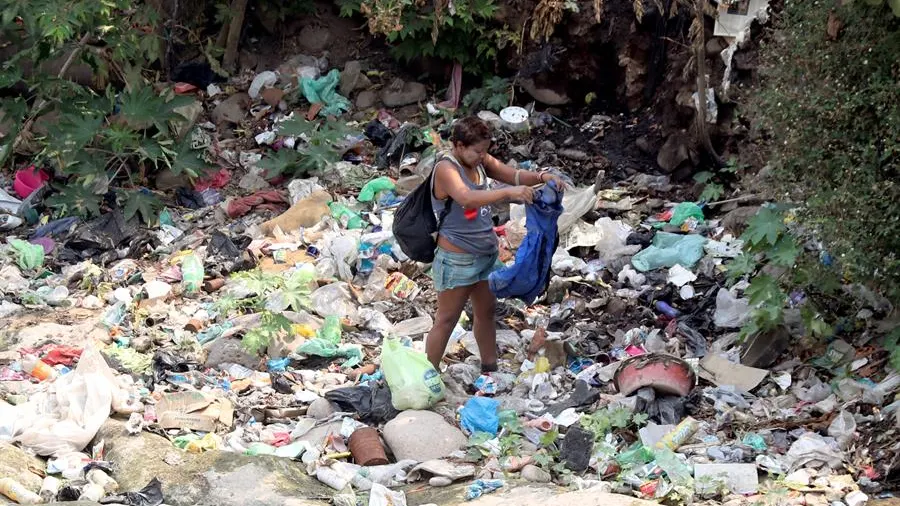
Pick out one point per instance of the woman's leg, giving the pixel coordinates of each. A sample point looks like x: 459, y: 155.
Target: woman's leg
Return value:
x: 484, y: 305
x: 450, y: 304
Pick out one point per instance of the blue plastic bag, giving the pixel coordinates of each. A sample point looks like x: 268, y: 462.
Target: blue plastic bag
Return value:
x: 480, y: 415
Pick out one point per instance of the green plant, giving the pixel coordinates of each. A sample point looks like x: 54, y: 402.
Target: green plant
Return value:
x: 715, y: 182
x: 603, y: 421
x: 95, y: 141
x: 835, y: 146
x: 494, y: 95
x: 322, y: 147
x: 773, y: 259
x: 453, y: 31
x: 270, y: 327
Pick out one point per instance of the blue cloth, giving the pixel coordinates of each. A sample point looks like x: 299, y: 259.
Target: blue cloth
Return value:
x: 453, y: 270
x: 527, y: 277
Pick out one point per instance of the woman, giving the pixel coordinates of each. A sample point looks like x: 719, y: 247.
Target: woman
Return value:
x: 467, y: 245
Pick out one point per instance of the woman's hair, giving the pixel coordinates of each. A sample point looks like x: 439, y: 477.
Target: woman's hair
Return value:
x: 469, y: 131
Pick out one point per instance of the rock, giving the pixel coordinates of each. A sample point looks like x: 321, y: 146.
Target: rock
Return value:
x: 318, y: 434
x: 226, y: 350
x: 352, y: 78
x: 535, y: 474
x: 547, y: 146
x: 190, y: 113
x: 366, y: 99
x: 643, y: 144
x: 209, y: 478
x: 616, y: 307
x: 544, y: 95
x: 574, y: 154
x: 167, y: 180
x: 440, y: 481
x: 401, y: 93
x: 715, y: 45
x: 674, y: 152
x: 321, y: 409
x: 15, y: 463
x: 315, y: 38
x: 272, y: 96
x: 231, y: 110
x: 421, y: 436
x: 491, y: 118
x: 736, y: 220
x: 576, y: 448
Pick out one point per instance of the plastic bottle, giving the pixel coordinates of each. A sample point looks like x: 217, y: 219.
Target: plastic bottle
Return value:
x: 331, y: 330
x: 18, y: 492
x: 680, y: 434
x: 97, y: 476
x: 192, y: 273
x: 38, y: 368
x: 676, y: 470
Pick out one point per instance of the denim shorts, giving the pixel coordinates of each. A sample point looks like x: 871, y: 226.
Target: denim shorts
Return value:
x: 453, y: 270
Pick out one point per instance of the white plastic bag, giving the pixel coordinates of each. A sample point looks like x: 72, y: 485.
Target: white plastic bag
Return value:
x: 334, y: 299
x: 613, y: 235
x: 65, y: 417
x: 842, y: 428
x: 576, y: 202
x: 731, y: 312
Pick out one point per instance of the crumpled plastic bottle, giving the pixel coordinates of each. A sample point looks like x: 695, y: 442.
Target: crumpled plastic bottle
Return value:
x: 192, y: 273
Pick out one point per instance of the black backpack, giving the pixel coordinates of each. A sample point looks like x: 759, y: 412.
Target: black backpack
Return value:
x: 415, y: 225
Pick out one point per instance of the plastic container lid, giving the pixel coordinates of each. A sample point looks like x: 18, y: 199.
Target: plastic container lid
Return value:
x: 514, y: 117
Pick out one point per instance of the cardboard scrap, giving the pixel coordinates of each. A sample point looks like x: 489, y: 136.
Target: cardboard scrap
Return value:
x: 193, y: 411
x: 720, y: 371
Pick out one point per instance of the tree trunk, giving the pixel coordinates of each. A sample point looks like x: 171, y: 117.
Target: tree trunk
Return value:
x: 238, y: 9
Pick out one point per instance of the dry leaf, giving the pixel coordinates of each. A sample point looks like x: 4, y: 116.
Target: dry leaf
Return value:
x: 833, y: 27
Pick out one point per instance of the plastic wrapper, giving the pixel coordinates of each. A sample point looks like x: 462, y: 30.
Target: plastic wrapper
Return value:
x: 576, y: 202
x: 150, y: 495
x: 613, y: 237
x: 334, y: 299
x: 28, y: 256
x: 842, y: 428
x: 480, y: 415
x: 413, y: 380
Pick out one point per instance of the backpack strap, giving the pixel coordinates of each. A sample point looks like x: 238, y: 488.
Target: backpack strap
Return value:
x: 448, y: 203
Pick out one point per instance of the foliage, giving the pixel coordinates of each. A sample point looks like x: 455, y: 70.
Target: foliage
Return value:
x: 453, y: 31
x: 835, y: 146
x: 322, y: 147
x: 494, y: 95
x: 95, y: 141
x: 271, y: 326
x: 774, y: 261
x: 603, y: 421
x: 715, y: 182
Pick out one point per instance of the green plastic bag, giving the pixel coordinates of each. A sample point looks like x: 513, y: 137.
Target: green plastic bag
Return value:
x: 324, y: 91
x: 30, y: 256
x: 670, y: 249
x: 374, y: 187
x: 412, y: 379
x: 684, y: 211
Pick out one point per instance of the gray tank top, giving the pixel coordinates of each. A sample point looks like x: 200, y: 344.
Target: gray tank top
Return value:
x: 472, y: 232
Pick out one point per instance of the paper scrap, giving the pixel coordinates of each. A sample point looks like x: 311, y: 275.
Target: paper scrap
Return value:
x: 717, y: 369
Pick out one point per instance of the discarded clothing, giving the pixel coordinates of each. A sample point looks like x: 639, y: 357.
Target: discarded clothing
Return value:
x: 271, y: 200
x: 529, y: 275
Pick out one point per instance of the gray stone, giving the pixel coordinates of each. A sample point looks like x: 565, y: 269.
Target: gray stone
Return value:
x: 401, y: 93
x: 15, y: 463
x: 226, y: 350
x: 167, y: 180
x: 210, y: 478
x: 315, y: 38
x: 318, y: 434
x: 421, y: 436
x: 231, y: 110
x: 352, y: 78
x: 535, y: 474
x: 547, y: 146
x: 674, y: 152
x: 544, y: 95
x: 736, y: 220
x: 366, y: 99
x: 321, y: 409
x: 643, y: 143
x: 574, y: 154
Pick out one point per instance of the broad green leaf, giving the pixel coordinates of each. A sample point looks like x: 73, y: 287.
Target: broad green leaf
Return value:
x: 284, y: 161
x: 188, y: 161
x: 785, y: 251
x: 75, y: 200
x: 139, y: 202
x: 764, y: 290
x: 296, y: 126
x: 741, y: 266
x: 703, y: 176
x: 766, y: 226
x: 712, y: 192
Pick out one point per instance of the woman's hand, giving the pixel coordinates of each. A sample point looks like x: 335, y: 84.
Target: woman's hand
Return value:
x: 520, y: 194
x: 546, y: 177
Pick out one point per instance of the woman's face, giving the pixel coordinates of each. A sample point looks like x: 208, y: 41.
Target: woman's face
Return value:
x: 471, y: 156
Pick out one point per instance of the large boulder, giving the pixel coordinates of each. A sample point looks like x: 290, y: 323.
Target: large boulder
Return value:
x: 213, y: 478
x: 352, y: 78
x: 421, y: 436
x: 227, y: 350
x: 232, y: 110
x: 676, y: 151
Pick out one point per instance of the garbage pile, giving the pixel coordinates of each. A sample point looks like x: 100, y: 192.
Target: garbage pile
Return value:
x: 280, y: 319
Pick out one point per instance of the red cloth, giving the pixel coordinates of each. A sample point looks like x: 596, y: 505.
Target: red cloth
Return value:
x: 64, y: 355
x: 216, y: 180
x: 272, y: 200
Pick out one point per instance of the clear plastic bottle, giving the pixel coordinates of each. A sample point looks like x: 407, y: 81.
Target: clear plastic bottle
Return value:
x: 192, y: 273
x: 38, y: 368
